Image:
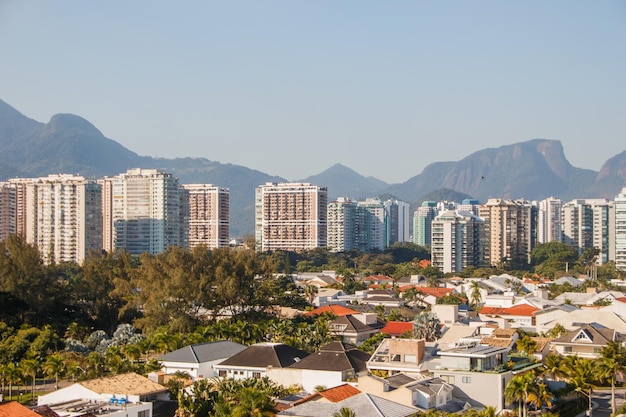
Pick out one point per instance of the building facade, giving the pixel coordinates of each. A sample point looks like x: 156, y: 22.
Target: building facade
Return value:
x: 145, y: 211
x: 341, y: 218
x: 511, y: 230
x: 370, y: 228
x: 549, y: 220
x: 397, y: 224
x: 620, y: 230
x: 422, y: 219
x: 457, y: 241
x: 209, y: 215
x: 290, y: 216
x: 590, y: 223
x: 61, y: 215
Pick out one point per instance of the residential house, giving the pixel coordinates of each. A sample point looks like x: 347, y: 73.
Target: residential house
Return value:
x: 127, y: 395
x: 427, y: 296
x: 585, y: 342
x: 254, y: 361
x: 398, y: 356
x: 520, y: 315
x: 409, y: 389
x: 332, y: 365
x: 459, y: 334
x: 505, y: 338
x: 15, y: 409
x: 398, y: 328
x: 197, y: 360
x: 355, y: 328
x: 385, y: 298
x: 479, y: 374
x: 327, y: 402
x: 578, y: 318
x: 334, y: 309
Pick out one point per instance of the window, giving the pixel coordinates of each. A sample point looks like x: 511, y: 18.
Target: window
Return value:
x: 567, y: 349
x: 466, y: 379
x: 256, y: 375
x: 222, y: 373
x: 144, y: 413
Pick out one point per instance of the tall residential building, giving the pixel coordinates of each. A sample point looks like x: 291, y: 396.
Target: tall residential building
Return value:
x: 370, y: 229
x: 620, y: 230
x: 590, y: 223
x: 397, y: 213
x: 290, y: 216
x: 549, y: 220
x: 63, y: 216
x: 470, y: 205
x: 457, y: 241
x: 13, y: 208
x: 209, y: 218
x: 422, y: 219
x: 8, y: 216
x: 145, y: 211
x: 341, y: 224
x: 510, y: 229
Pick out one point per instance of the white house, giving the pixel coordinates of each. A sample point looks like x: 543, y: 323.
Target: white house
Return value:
x: 198, y: 360
x: 124, y: 395
x: 254, y: 361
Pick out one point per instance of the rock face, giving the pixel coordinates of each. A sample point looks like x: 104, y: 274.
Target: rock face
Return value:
x: 535, y: 169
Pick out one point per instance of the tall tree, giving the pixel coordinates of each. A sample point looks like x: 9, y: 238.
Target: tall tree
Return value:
x: 54, y: 366
x: 30, y: 367
x: 611, y: 364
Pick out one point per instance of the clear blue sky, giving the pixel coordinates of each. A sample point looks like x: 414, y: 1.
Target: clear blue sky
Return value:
x: 292, y: 87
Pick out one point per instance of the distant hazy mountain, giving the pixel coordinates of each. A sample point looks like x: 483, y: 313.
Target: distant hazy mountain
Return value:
x: 533, y: 170
x: 344, y: 182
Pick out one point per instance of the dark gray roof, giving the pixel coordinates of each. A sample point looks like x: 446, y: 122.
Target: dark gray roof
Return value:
x: 204, y: 352
x: 335, y: 356
x: 262, y: 355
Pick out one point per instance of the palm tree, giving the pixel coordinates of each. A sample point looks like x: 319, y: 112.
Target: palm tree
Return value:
x: 540, y: 395
x: 518, y: 389
x: 54, y: 366
x: 582, y: 376
x: 344, y: 412
x: 552, y: 367
x: 610, y: 365
x: 475, y: 295
x: 252, y: 402
x: 13, y: 375
x: 30, y: 368
x: 310, y: 291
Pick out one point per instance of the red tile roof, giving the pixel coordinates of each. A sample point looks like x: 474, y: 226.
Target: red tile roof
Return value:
x: 518, y: 310
x: 397, y: 328
x: 434, y: 291
x: 380, y: 278
x: 15, y: 409
x: 334, y: 394
x: 335, y: 309
x: 339, y: 393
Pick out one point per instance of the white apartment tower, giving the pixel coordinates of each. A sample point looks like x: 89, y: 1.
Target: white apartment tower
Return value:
x: 590, y: 223
x: 341, y: 218
x: 145, y: 211
x: 370, y: 225
x: 549, y: 220
x: 620, y: 230
x: 209, y: 218
x: 63, y: 216
x: 290, y: 216
x: 457, y: 241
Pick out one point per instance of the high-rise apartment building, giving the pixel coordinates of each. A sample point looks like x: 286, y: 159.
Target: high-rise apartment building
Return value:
x: 620, y: 230
x: 422, y: 219
x: 145, y: 211
x: 209, y: 218
x: 60, y: 214
x: 397, y: 214
x: 510, y: 229
x: 457, y: 241
x: 13, y: 207
x: 290, y: 216
x: 370, y: 228
x: 549, y: 220
x: 341, y: 225
x: 590, y: 223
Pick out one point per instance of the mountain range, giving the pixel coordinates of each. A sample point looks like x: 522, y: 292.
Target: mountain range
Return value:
x: 533, y: 170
